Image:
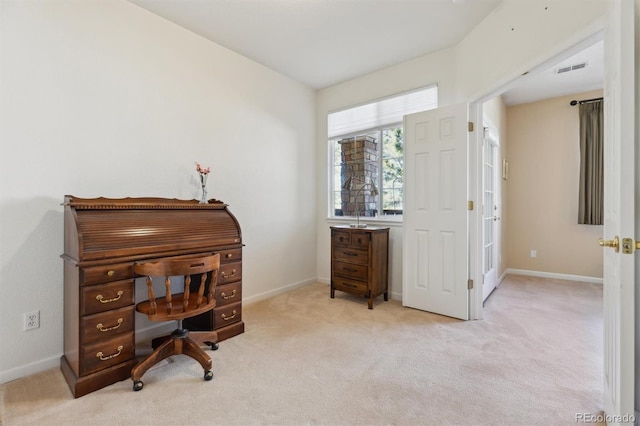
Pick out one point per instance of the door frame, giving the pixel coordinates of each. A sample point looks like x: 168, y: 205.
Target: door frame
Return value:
x: 562, y: 51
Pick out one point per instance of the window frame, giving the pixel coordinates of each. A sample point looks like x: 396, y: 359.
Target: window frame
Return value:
x: 380, y: 217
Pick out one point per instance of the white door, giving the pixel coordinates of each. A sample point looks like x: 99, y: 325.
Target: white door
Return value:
x: 619, y: 209
x: 490, y: 217
x: 435, y: 252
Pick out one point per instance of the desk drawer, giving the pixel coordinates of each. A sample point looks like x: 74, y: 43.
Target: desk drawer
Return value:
x: 230, y: 272
x: 107, y: 324
x: 227, y: 315
x: 350, y: 286
x: 351, y: 255
x: 107, y: 273
x: 105, y: 297
x: 106, y: 353
x: 350, y: 270
x: 229, y: 293
x: 232, y: 255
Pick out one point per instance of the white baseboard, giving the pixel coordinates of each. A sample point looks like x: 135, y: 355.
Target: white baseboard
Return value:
x: 568, y: 277
x: 29, y: 369
x: 274, y: 292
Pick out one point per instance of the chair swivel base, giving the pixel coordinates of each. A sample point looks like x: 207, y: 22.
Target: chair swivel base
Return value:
x: 178, y: 343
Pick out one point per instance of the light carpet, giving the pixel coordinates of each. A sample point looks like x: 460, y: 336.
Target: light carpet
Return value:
x: 306, y: 359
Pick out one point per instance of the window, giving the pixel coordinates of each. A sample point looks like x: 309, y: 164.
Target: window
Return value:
x: 367, y: 148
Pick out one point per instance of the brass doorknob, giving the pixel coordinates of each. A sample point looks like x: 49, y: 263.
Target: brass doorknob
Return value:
x: 615, y: 243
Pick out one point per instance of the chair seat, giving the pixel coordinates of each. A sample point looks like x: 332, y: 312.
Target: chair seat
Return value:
x: 177, y: 304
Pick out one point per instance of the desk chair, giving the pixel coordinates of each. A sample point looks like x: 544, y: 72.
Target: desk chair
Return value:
x: 178, y: 306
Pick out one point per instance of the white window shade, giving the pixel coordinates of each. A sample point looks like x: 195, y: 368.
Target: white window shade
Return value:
x: 382, y: 113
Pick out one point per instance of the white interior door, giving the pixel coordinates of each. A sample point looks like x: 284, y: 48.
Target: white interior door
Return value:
x: 619, y: 210
x: 435, y: 252
x: 491, y: 196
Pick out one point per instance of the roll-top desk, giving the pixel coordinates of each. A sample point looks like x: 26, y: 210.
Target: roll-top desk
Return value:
x: 103, y: 238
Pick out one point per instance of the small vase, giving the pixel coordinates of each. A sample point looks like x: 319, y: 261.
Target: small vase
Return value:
x: 204, y: 200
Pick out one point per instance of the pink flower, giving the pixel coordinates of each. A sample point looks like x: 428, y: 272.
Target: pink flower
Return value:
x: 202, y: 170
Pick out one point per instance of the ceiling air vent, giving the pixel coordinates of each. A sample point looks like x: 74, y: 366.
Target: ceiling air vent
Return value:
x: 571, y: 68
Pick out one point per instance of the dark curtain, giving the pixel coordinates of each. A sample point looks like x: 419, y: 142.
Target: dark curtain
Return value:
x: 590, y: 208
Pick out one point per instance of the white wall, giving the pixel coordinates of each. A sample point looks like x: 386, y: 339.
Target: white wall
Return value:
x: 103, y: 98
x: 488, y: 58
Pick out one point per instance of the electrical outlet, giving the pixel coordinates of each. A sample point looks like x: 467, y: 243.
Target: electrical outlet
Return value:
x: 31, y: 320
x: 534, y: 254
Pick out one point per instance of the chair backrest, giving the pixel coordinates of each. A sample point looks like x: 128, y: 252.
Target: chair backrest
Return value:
x: 188, y: 303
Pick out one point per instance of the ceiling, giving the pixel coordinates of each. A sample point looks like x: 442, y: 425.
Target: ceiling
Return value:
x: 325, y: 42
x: 548, y: 83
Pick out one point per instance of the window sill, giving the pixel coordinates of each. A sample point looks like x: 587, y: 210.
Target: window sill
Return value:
x: 391, y: 221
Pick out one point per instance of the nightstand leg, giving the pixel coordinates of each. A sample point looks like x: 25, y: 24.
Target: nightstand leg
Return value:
x: 370, y: 303
x: 333, y: 292
x: 386, y: 297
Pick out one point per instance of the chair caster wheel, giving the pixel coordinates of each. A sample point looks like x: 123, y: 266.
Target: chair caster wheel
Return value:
x: 213, y: 345
x: 137, y: 385
x: 208, y: 375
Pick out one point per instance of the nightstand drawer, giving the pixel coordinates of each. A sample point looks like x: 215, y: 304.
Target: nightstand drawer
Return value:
x: 106, y: 353
x: 350, y: 255
x: 341, y: 238
x: 350, y: 286
x: 350, y: 270
x: 360, y: 239
x: 105, y: 297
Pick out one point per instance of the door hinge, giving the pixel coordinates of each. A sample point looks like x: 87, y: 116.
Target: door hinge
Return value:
x: 470, y: 205
x: 470, y: 284
x: 470, y: 126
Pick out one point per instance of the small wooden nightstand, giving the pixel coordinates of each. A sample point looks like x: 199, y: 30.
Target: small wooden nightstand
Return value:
x: 359, y: 261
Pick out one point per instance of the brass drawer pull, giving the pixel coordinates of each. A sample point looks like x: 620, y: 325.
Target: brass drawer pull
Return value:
x: 233, y: 274
x: 226, y: 318
x: 349, y: 285
x: 349, y: 253
x: 108, y: 357
x: 111, y: 273
x: 113, y: 327
x: 231, y: 296
x: 350, y: 269
x: 229, y: 255
x: 101, y: 298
